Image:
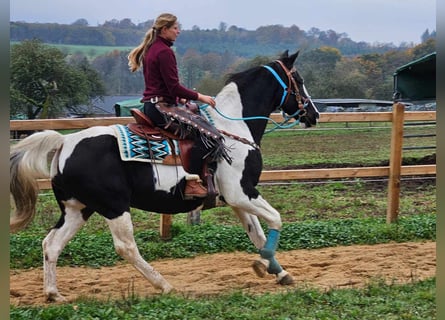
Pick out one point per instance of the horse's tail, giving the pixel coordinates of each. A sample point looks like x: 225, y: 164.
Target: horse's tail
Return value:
x: 28, y: 160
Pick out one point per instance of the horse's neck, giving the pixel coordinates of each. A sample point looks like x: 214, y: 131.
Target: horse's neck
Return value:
x: 230, y: 117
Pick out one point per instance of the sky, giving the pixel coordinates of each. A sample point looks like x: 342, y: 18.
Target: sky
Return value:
x: 372, y: 21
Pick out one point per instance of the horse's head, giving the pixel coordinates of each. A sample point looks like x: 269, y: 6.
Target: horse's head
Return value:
x: 296, y: 101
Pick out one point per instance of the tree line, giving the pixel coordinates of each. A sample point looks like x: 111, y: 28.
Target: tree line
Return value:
x: 327, y: 72
x: 265, y: 40
x: 45, y: 80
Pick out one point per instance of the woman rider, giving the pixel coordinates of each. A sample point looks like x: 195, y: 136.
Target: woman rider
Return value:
x: 161, y: 79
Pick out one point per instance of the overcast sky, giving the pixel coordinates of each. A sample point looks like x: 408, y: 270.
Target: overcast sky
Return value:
x: 372, y: 21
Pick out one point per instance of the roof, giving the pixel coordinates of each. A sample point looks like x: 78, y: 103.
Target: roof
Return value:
x: 122, y: 108
x: 419, y: 64
x: 105, y: 106
x: 352, y: 102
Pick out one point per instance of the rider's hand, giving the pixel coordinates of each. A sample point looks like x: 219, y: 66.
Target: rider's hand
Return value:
x: 206, y: 99
x: 182, y: 101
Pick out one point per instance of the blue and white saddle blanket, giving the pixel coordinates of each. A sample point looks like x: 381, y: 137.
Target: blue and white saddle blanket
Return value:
x: 136, y: 148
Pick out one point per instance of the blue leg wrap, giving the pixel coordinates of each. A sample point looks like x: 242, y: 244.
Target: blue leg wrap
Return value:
x: 268, y: 252
x: 272, y: 240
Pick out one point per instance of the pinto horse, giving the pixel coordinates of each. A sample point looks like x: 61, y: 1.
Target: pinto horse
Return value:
x: 88, y: 174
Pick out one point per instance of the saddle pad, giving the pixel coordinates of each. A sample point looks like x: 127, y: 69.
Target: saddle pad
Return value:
x: 136, y: 148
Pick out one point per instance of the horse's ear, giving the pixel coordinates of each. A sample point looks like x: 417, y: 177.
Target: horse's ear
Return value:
x: 285, y: 54
x: 294, y: 56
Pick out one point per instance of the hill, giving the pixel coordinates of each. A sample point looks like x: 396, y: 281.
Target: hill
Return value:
x: 264, y: 41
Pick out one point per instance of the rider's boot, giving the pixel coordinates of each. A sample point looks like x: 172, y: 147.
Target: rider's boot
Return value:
x: 194, y: 187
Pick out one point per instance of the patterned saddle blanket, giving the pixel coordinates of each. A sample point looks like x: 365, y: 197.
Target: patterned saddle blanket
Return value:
x: 133, y: 147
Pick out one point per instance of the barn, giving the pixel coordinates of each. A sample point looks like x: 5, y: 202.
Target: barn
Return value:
x: 416, y: 81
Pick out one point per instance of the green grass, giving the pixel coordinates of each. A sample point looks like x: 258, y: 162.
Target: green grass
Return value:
x: 296, y: 203
x: 315, y: 215
x: 327, y: 210
x: 96, y: 249
x: 341, y: 147
x: 89, y: 51
x: 375, y: 301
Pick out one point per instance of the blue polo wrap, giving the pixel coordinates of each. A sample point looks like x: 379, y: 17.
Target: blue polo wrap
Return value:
x: 268, y: 251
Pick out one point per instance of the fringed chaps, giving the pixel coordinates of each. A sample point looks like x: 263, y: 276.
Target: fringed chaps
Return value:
x: 186, y: 124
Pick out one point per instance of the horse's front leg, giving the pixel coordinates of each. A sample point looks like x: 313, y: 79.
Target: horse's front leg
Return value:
x: 267, y: 248
x: 269, y: 263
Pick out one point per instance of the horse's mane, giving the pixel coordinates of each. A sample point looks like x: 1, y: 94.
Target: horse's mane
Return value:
x: 242, y: 76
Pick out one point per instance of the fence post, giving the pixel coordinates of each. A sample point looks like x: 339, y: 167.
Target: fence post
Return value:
x: 395, y: 162
x: 194, y: 217
x: 165, y: 229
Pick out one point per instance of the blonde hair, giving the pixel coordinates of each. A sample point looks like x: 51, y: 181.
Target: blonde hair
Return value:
x: 136, y: 55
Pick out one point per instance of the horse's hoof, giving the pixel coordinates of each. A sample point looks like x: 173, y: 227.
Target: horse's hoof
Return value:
x: 168, y: 290
x: 55, y: 297
x: 260, y: 267
x: 285, y: 280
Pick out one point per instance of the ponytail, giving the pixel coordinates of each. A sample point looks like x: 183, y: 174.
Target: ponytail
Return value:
x: 136, y: 56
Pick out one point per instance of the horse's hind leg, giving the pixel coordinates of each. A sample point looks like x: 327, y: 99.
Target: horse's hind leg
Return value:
x: 123, y: 238
x: 53, y: 244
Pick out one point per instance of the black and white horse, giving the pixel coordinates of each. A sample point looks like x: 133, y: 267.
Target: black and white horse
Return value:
x: 88, y: 175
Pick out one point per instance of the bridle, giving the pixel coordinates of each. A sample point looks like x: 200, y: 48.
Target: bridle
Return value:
x: 287, y: 90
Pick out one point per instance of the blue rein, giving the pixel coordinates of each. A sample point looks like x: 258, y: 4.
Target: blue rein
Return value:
x: 283, y: 113
x: 281, y: 125
x: 277, y: 125
x: 280, y: 81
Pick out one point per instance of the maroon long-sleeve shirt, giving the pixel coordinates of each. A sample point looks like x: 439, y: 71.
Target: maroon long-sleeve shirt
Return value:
x: 161, y: 74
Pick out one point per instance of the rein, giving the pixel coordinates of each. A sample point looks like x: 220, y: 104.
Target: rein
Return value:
x: 203, y: 108
x: 281, y: 125
x: 287, y: 91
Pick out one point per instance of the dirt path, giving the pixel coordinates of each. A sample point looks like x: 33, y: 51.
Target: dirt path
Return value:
x: 338, y: 267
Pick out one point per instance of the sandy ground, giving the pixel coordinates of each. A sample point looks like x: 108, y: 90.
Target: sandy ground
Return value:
x: 337, y: 267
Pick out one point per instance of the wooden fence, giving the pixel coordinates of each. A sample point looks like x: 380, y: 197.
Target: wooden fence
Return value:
x: 394, y: 171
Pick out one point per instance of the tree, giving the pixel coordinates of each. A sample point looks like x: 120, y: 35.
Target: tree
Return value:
x: 350, y: 82
x: 191, y: 68
x: 94, y: 83
x: 424, y: 48
x: 427, y: 35
x: 126, y: 24
x: 317, y: 67
x: 210, y: 85
x: 222, y: 27
x: 80, y: 22
x: 113, y: 70
x: 43, y: 83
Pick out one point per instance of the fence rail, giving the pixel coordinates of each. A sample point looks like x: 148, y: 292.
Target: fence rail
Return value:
x: 81, y: 123
x: 394, y: 171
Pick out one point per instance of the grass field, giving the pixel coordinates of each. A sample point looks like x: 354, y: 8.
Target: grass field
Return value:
x: 315, y: 214
x: 377, y: 301
x: 89, y: 51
